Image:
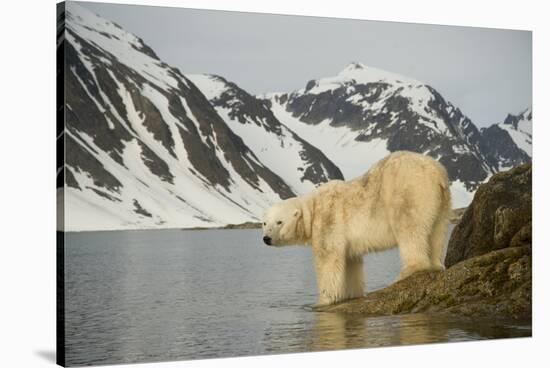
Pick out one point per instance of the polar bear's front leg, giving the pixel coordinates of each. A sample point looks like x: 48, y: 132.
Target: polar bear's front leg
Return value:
x: 330, y: 269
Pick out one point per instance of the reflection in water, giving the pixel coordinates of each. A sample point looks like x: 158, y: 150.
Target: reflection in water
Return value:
x: 337, y: 331
x: 421, y: 328
x: 333, y: 331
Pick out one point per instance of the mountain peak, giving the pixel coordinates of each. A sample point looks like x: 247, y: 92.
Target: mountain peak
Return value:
x: 362, y: 73
x: 357, y: 73
x: 523, y: 118
x: 87, y: 30
x: 354, y: 65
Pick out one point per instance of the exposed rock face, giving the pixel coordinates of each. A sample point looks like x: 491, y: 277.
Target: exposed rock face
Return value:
x: 500, y: 146
x: 488, y: 260
x: 498, y: 282
x: 499, y: 217
x: 509, y: 144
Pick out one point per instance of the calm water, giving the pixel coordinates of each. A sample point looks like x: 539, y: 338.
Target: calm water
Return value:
x: 138, y: 296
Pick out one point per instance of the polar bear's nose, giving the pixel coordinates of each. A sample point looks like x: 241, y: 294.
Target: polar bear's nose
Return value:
x: 267, y: 240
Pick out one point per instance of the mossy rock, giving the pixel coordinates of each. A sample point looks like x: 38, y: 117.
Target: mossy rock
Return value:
x: 497, y: 283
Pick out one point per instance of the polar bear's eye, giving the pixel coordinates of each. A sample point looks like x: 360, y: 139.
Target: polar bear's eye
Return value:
x: 279, y: 222
x: 264, y: 223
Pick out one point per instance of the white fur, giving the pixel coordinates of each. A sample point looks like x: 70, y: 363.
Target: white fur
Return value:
x: 403, y: 201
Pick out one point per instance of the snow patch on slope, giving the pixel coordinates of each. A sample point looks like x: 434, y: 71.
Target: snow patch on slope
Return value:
x: 337, y: 143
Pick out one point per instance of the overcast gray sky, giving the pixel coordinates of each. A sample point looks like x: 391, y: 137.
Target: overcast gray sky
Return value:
x: 487, y: 73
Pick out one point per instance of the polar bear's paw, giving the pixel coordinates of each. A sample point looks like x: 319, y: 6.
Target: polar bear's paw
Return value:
x: 410, y: 270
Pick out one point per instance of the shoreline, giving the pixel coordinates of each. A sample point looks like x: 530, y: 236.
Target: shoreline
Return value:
x: 455, y: 218
x: 244, y: 225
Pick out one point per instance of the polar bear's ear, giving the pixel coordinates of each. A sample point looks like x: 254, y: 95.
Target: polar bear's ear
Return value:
x: 296, y: 212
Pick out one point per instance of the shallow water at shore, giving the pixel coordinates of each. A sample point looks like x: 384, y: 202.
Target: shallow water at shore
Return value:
x: 141, y: 296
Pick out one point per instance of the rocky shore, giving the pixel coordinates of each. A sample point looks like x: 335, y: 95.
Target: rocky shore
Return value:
x: 488, y: 261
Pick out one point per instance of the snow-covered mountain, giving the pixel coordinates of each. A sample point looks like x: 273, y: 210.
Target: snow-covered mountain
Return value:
x: 363, y: 113
x: 147, y: 146
x: 510, y: 143
x: 144, y: 147
x: 300, y: 164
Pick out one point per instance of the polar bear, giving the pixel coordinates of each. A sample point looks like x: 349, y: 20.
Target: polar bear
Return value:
x: 403, y: 200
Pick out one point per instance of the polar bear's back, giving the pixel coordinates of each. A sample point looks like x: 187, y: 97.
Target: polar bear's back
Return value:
x: 407, y: 183
x: 400, y: 177
x: 408, y: 165
x: 405, y: 190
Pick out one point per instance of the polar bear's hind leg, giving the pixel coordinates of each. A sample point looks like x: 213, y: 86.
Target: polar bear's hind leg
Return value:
x: 437, y: 243
x: 413, y: 240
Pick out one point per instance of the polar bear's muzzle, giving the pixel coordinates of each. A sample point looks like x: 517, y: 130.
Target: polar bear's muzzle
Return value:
x: 267, y: 240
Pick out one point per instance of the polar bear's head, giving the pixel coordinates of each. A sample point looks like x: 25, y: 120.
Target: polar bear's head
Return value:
x: 283, y: 223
